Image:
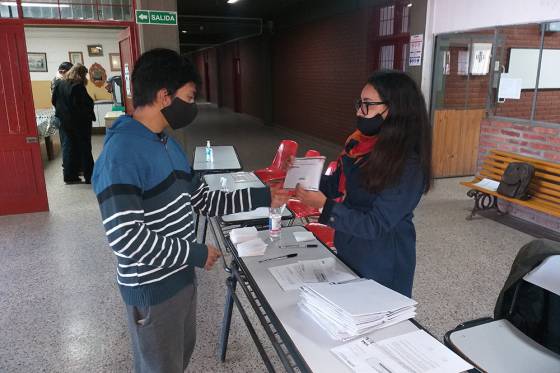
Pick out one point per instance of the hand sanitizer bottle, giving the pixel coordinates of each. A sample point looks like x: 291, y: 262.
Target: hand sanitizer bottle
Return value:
x: 209, y: 152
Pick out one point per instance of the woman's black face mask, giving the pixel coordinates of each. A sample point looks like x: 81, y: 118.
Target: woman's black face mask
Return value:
x: 370, y: 126
x: 180, y: 113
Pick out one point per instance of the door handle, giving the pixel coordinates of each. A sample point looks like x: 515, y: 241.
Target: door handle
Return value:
x: 32, y: 140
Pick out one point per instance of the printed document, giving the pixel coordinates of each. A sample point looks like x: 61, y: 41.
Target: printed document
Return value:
x: 305, y: 171
x: 415, y: 352
x: 293, y: 276
x: 546, y: 275
x: 488, y: 184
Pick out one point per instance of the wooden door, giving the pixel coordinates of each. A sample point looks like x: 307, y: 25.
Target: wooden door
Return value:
x: 22, y: 180
x: 128, y: 54
x: 455, y: 142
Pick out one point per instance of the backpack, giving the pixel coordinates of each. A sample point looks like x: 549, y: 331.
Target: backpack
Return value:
x: 516, y: 179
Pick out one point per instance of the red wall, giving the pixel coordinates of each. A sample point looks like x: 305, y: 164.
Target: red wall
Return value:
x: 319, y: 70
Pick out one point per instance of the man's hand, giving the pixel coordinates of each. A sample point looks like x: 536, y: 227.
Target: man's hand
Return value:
x: 213, y: 255
x: 310, y: 198
x: 278, y: 195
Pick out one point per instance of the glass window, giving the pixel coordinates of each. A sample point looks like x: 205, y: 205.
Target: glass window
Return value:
x: 548, y: 96
x: 78, y: 9
x: 386, y: 20
x: 405, y: 18
x: 387, y: 57
x: 8, y: 9
x: 516, y: 64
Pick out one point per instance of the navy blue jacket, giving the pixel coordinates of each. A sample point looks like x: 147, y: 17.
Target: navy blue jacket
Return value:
x: 374, y: 233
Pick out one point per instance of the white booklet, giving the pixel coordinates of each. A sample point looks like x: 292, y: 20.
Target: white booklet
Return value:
x: 488, y: 184
x: 305, y: 171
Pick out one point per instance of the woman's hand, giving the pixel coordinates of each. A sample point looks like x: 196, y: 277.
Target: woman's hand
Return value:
x: 310, y: 198
x: 278, y: 195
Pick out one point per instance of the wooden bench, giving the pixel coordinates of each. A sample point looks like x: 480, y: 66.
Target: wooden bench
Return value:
x: 544, y: 190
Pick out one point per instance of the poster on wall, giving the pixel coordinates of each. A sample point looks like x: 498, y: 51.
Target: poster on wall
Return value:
x: 115, y: 61
x: 37, y: 62
x: 463, y: 63
x: 416, y: 46
x: 76, y: 57
x: 480, y: 61
x: 510, y: 87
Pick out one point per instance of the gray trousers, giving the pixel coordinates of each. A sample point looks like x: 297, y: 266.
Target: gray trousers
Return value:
x: 163, y: 336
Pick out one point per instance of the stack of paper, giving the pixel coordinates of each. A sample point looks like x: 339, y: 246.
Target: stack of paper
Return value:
x: 239, y: 235
x: 247, y: 242
x: 348, y: 310
x: 253, y: 247
x: 293, y: 276
x: 304, y: 236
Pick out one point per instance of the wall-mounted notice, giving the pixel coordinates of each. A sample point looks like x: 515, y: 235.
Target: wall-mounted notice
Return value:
x: 416, y: 46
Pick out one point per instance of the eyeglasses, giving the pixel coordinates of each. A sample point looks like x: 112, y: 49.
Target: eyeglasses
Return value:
x: 363, y: 106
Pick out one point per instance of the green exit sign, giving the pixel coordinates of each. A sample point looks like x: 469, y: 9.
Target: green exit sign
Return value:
x: 156, y: 17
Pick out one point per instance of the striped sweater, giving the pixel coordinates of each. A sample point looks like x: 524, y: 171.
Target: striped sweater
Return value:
x: 148, y: 197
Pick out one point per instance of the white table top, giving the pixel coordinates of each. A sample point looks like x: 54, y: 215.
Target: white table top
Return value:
x: 312, y: 342
x: 225, y: 159
x: 240, y: 180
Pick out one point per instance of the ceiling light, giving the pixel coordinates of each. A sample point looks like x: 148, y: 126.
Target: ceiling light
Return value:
x: 36, y: 5
x: 232, y: 1
x: 408, y: 5
x: 184, y: 31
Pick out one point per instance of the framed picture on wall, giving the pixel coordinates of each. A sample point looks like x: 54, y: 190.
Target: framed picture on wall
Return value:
x: 76, y: 57
x: 37, y: 62
x: 115, y: 61
x: 95, y: 50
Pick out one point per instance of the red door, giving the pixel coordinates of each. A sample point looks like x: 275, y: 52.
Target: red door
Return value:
x: 22, y: 181
x: 128, y: 53
x: 237, y: 85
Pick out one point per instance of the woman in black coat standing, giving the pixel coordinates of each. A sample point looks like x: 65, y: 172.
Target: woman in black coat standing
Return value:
x: 74, y: 108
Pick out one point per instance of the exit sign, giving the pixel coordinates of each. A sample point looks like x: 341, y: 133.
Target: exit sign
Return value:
x: 156, y: 17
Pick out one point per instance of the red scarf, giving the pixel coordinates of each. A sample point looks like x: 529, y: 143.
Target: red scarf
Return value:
x: 356, y: 147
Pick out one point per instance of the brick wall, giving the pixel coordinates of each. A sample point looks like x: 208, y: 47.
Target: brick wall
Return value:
x: 525, y: 36
x: 252, y: 75
x: 532, y: 141
x: 319, y: 70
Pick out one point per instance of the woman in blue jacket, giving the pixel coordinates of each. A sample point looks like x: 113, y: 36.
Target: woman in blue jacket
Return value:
x: 382, y: 173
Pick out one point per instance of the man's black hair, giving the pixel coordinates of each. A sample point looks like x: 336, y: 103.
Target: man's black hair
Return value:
x: 160, y: 68
x: 65, y: 66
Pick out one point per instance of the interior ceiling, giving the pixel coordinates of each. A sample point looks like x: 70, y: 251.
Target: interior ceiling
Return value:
x: 204, y: 23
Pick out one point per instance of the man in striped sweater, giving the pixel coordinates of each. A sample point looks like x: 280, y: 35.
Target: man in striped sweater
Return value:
x: 148, y: 197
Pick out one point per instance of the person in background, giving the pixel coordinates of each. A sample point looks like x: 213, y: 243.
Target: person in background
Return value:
x: 62, y: 69
x: 382, y: 172
x: 148, y: 196
x: 74, y: 108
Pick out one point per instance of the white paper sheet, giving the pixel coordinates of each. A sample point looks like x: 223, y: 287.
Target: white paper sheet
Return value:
x: 239, y: 235
x: 244, y: 177
x: 293, y: 276
x: 253, y: 247
x: 488, y: 184
x: 546, y: 275
x: 304, y: 236
x: 415, y: 352
x: 510, y: 87
x: 305, y: 171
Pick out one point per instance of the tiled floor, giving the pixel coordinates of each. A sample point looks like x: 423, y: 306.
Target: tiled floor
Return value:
x: 60, y: 310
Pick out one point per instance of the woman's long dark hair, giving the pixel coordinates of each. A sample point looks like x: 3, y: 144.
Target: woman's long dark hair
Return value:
x: 405, y: 132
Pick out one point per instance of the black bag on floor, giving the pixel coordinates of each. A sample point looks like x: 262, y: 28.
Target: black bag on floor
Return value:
x: 516, y: 179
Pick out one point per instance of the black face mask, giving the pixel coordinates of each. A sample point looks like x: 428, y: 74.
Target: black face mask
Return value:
x: 370, y: 126
x: 180, y: 113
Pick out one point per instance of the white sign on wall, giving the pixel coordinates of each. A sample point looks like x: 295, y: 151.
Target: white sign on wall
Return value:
x: 416, y: 46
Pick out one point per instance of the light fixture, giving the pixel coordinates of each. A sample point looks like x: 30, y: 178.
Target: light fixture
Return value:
x: 36, y: 5
x: 232, y: 1
x: 184, y: 31
x: 408, y: 5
